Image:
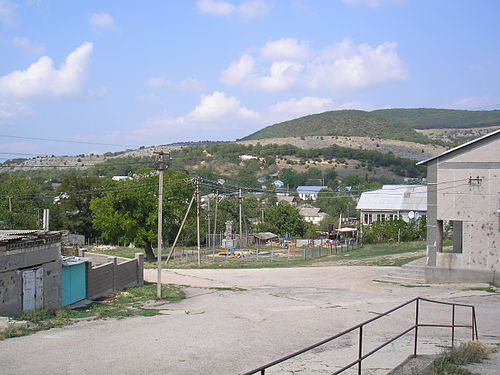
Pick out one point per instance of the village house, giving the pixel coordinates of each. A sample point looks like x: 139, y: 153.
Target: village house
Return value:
x: 406, y: 202
x: 464, y: 194
x: 312, y: 214
x: 309, y: 192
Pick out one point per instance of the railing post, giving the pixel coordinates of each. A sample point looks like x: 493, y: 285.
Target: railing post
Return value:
x: 416, y: 327
x: 360, y: 349
x: 262, y: 372
x: 473, y: 317
x: 452, y: 326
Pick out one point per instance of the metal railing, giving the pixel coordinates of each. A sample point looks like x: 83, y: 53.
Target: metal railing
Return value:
x: 415, y: 328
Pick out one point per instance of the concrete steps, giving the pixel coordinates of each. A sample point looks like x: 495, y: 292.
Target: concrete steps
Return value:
x: 412, y: 273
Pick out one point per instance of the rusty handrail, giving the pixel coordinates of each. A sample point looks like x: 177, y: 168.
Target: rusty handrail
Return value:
x: 361, y: 356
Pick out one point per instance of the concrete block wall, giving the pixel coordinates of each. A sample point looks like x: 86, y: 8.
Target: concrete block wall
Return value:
x: 117, y: 273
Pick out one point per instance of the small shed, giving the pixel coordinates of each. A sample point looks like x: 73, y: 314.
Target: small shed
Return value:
x: 263, y: 238
x: 30, y: 270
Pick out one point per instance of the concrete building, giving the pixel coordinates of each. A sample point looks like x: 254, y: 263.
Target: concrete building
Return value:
x: 309, y: 192
x: 464, y: 190
x: 408, y: 202
x: 30, y: 270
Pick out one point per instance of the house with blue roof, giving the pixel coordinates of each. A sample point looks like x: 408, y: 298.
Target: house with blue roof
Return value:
x: 309, y: 192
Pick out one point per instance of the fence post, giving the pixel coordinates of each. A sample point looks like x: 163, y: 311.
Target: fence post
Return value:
x: 305, y: 254
x: 416, y: 327
x: 139, y: 258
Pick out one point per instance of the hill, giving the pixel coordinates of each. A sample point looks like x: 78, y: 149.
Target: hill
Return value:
x: 435, y: 118
x: 341, y: 123
x: 397, y: 124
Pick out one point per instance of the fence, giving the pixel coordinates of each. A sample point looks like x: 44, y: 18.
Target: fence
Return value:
x: 265, y: 254
x: 359, y: 328
x: 106, y: 274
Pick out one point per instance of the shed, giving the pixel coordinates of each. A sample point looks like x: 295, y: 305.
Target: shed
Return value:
x: 263, y: 238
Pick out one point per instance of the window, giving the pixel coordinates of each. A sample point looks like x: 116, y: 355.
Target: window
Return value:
x: 368, y: 219
x: 380, y: 217
x: 391, y: 216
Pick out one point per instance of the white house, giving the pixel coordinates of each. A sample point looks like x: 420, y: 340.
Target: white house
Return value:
x: 309, y: 192
x: 312, y: 214
x: 408, y: 202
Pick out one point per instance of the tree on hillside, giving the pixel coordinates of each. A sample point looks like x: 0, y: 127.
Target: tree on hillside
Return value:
x: 127, y: 213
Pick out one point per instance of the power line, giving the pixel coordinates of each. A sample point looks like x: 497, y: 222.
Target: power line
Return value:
x: 66, y: 141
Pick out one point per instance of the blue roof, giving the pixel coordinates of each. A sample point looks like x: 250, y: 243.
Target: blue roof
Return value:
x: 310, y: 189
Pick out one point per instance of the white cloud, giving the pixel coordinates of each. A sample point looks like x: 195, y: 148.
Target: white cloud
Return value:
x: 238, y: 71
x: 217, y: 8
x: 189, y: 84
x: 247, y: 10
x: 253, y: 9
x: 282, y: 76
x: 336, y: 68
x: 217, y: 114
x: 371, y: 3
x: 7, y: 9
x: 12, y: 109
x: 217, y: 106
x: 285, y: 49
x: 27, y: 46
x: 41, y: 79
x: 102, y: 21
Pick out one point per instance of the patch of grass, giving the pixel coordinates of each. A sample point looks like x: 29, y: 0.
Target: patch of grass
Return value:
x: 493, y: 288
x: 450, y: 362
x: 123, y: 304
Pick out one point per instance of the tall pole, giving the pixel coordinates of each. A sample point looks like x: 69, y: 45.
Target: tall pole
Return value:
x: 10, y: 203
x: 161, y: 167
x: 241, y: 227
x: 215, y: 215
x: 198, y: 218
x: 208, y: 219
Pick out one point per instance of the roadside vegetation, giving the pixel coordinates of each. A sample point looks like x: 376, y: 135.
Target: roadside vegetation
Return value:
x: 452, y: 360
x: 123, y: 304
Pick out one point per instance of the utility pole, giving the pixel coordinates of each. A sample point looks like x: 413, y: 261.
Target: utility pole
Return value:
x: 208, y: 219
x: 215, y: 215
x: 10, y: 203
x: 240, y: 199
x: 161, y: 167
x: 198, y: 218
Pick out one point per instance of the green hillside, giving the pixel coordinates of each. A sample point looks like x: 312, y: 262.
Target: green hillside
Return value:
x: 434, y: 118
x: 340, y: 123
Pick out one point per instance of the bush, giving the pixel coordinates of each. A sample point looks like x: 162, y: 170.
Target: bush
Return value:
x: 390, y: 230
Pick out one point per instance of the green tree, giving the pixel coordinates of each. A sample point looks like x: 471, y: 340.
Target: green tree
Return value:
x: 335, y: 204
x: 21, y: 204
x: 281, y: 219
x: 127, y: 213
x: 71, y: 208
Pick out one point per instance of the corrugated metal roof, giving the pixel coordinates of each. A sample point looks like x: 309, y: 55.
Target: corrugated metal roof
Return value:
x: 394, y: 198
x: 459, y: 147
x: 310, y: 189
x: 15, y: 234
x: 265, y: 235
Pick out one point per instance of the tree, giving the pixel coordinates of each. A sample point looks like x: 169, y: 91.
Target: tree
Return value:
x: 20, y: 204
x: 281, y: 219
x: 127, y: 213
x: 335, y: 204
x: 71, y: 210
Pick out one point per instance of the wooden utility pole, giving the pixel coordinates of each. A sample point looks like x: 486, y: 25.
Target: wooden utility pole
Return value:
x: 240, y: 199
x: 198, y: 218
x: 161, y: 167
x: 10, y: 203
x: 180, y: 229
x: 215, y: 215
x: 208, y: 219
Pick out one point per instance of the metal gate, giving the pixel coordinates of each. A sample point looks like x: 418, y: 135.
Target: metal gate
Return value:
x: 32, y: 288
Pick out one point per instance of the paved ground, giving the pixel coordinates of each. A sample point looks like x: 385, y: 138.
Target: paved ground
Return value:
x: 220, y: 331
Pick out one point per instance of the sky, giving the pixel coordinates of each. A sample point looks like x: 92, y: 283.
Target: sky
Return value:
x: 121, y: 74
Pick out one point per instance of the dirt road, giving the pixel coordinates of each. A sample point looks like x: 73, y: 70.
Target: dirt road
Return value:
x: 224, y: 331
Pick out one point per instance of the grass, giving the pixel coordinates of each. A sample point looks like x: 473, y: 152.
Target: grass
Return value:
x: 387, y: 254
x: 493, y: 288
x: 124, y: 304
x: 450, y: 362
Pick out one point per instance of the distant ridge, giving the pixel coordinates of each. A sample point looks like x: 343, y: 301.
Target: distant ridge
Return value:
x: 398, y: 124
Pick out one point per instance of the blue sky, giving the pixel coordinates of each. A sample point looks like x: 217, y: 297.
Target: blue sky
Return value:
x: 155, y: 72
